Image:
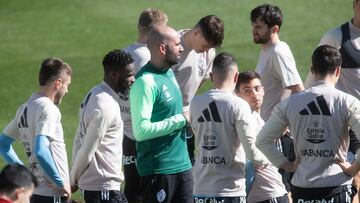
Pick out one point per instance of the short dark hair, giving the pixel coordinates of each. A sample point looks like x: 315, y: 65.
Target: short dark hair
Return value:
x: 269, y: 14
x: 115, y: 60
x: 325, y: 60
x: 212, y: 28
x: 245, y: 77
x: 222, y: 64
x: 51, y: 69
x: 15, y: 176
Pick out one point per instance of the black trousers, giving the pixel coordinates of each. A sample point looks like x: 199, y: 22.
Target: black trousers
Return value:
x: 168, y: 188
x: 104, y: 196
x: 48, y: 199
x: 132, y: 179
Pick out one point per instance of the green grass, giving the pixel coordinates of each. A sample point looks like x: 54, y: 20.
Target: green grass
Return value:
x: 82, y: 32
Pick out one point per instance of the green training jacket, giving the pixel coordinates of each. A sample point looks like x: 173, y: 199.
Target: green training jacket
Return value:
x: 158, y: 123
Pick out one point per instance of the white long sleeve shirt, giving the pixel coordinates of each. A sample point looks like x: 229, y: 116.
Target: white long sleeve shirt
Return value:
x: 319, y: 119
x: 97, y: 150
x: 224, y: 133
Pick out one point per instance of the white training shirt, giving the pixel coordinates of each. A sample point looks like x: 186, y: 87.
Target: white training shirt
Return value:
x: 40, y: 116
x: 124, y: 103
x: 192, y: 69
x: 224, y: 132
x: 349, y: 80
x: 319, y: 119
x: 267, y: 183
x: 277, y: 69
x: 140, y: 53
x: 97, y: 150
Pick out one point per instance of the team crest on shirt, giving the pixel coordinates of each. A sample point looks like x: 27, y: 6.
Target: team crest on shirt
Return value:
x: 161, y: 195
x: 315, y: 133
x: 166, y: 93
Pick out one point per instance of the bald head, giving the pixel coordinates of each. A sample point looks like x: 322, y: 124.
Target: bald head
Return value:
x: 165, y: 47
x: 159, y: 35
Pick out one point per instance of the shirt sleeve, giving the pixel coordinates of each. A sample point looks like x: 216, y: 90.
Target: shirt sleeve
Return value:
x: 245, y: 128
x: 95, y: 131
x: 332, y: 37
x: 285, y: 68
x: 142, y: 98
x: 354, y: 121
x: 12, y: 130
x: 274, y: 127
x: 47, y: 122
x: 7, y: 151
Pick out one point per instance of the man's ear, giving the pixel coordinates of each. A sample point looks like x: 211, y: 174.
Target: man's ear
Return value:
x: 162, y: 48
x: 236, y: 77
x: 58, y: 83
x: 338, y: 71
x: 312, y: 70
x: 275, y: 29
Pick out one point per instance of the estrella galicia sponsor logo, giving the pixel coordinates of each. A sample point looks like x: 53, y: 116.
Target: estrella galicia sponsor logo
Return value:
x: 211, y: 140
x: 315, y: 133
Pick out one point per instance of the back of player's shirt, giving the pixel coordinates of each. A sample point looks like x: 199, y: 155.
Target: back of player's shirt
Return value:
x: 318, y: 119
x: 39, y: 116
x: 220, y: 166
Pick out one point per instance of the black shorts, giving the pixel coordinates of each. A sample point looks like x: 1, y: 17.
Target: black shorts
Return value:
x: 132, y: 178
x: 287, y: 147
x: 104, y: 196
x: 48, y: 199
x: 340, y: 194
x: 168, y: 188
x: 219, y: 199
x: 190, y: 141
x: 281, y: 199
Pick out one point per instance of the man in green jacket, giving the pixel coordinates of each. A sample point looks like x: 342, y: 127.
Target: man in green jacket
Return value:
x: 159, y: 123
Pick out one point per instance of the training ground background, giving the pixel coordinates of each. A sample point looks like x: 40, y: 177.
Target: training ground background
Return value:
x: 82, y: 32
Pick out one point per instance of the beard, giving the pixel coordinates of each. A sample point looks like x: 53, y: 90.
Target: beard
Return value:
x: 171, y: 58
x: 58, y: 98
x: 124, y: 89
x: 262, y: 39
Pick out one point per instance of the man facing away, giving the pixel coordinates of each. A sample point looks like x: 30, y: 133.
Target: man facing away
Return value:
x: 17, y: 184
x: 224, y: 132
x: 195, y: 64
x: 276, y: 64
x: 97, y: 151
x: 318, y: 118
x: 158, y: 123
x: 267, y: 186
x: 346, y: 38
x: 148, y: 19
x: 37, y: 124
